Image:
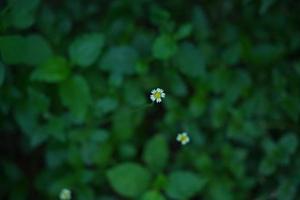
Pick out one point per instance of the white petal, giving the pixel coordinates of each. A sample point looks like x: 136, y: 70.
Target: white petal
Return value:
x: 153, y: 91
x: 163, y: 95
x: 152, y: 97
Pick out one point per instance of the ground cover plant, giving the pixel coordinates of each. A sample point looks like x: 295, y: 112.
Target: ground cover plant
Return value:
x: 150, y: 100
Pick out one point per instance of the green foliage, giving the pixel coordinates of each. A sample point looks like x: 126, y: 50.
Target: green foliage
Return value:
x: 164, y: 47
x: 156, y: 153
x: 152, y: 195
x: 75, y: 112
x: 129, y: 179
x: 183, y: 185
x: 22, y: 12
x: 54, y: 70
x: 31, y: 50
x: 85, y: 50
x: 75, y: 95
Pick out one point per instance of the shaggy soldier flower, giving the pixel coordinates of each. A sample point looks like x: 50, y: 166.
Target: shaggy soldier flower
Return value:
x: 65, y: 194
x: 183, y: 138
x: 157, y: 95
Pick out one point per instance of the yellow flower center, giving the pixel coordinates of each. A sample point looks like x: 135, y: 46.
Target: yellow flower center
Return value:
x: 183, y: 138
x: 157, y: 95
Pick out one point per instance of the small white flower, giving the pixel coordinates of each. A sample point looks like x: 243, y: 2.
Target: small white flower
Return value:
x: 65, y: 194
x: 183, y: 138
x: 157, y: 95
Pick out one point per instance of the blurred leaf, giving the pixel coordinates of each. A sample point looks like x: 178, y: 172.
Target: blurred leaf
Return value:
x: 184, y: 31
x: 38, y: 50
x: 156, y: 153
x: 55, y: 127
x: 22, y: 12
x: 38, y: 102
x: 85, y: 49
x: 265, y: 5
x: 124, y: 123
x: 231, y: 55
x: 119, y: 60
x: 129, y: 179
x: 220, y: 190
x: 190, y: 60
x: 184, y: 185
x: 200, y: 22
x: 127, y: 151
x: 289, y: 143
x: 13, y: 48
x: 164, y: 47
x: 152, y: 195
x: 55, y: 157
x: 159, y: 16
x: 54, y: 70
x: 105, y: 105
x: 266, y: 54
x: 75, y: 94
x: 287, y: 190
x: 33, y: 50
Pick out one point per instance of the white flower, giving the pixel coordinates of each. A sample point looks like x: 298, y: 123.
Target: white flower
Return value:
x: 183, y: 138
x: 65, y: 194
x: 157, y: 95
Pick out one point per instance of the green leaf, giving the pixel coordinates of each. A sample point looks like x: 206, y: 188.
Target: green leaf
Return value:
x: 184, y: 31
x: 220, y: 190
x: 33, y: 50
x: 129, y: 179
x: 75, y: 94
x: 120, y: 60
x: 190, y: 60
x: 265, y: 5
x: 22, y: 12
x: 54, y: 70
x: 13, y: 48
x: 184, y: 185
x: 287, y: 189
x: 2, y: 73
x: 153, y: 195
x: 156, y: 153
x: 289, y: 143
x: 164, y: 47
x: 266, y: 53
x: 38, y: 50
x: 85, y: 49
x: 200, y: 23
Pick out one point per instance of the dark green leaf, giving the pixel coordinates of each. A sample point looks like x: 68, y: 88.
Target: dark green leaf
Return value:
x: 13, y: 49
x: 184, y: 185
x: 153, y: 195
x: 190, y: 60
x: 22, y: 12
x: 129, y: 179
x: 54, y: 70
x: 33, y: 50
x: 75, y: 94
x: 156, y: 153
x: 85, y: 49
x: 119, y: 60
x: 164, y: 47
x: 184, y: 31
